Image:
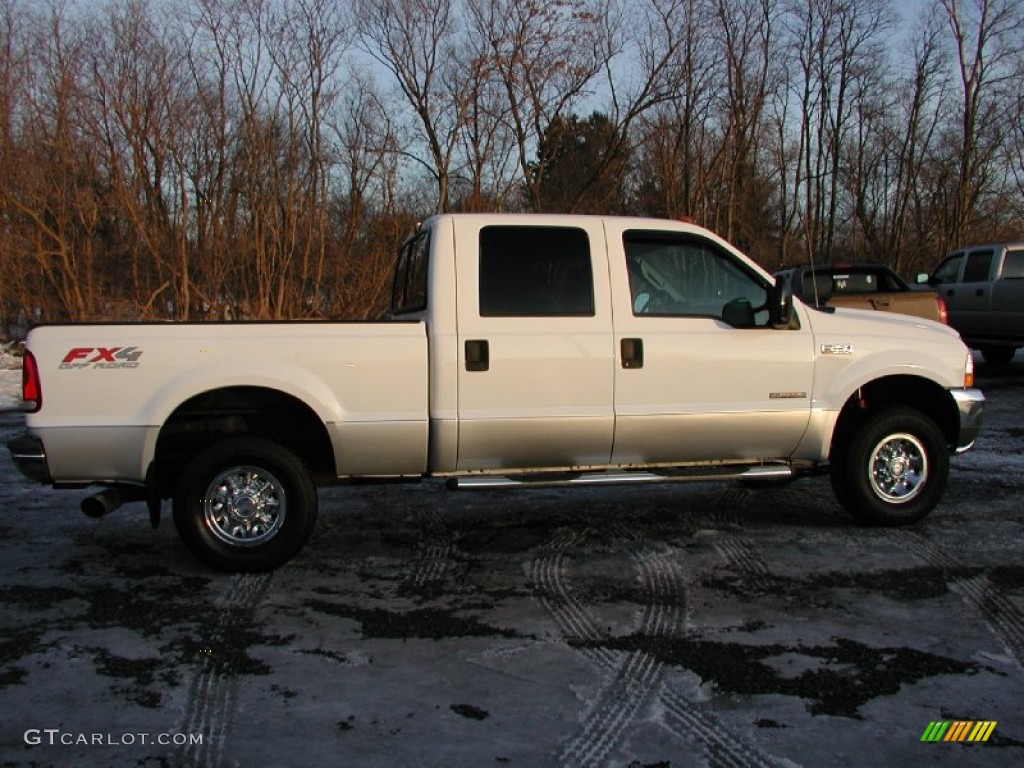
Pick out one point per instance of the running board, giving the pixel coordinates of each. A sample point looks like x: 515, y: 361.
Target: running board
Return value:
x: 565, y: 479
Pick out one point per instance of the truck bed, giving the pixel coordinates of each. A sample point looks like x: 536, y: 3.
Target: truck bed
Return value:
x: 127, y: 376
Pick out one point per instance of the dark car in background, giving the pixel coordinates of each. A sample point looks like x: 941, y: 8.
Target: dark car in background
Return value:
x: 983, y: 285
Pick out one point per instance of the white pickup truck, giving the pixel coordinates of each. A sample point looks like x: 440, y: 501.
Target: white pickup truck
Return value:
x: 521, y: 351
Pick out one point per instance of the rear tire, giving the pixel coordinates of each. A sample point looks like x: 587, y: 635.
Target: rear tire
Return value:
x: 894, y: 469
x: 245, y: 504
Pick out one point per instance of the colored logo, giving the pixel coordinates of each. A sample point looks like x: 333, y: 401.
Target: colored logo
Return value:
x: 101, y: 357
x: 959, y: 730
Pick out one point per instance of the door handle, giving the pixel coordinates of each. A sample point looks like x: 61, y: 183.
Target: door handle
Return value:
x: 951, y: 292
x: 632, y: 353
x: 980, y: 292
x: 478, y: 355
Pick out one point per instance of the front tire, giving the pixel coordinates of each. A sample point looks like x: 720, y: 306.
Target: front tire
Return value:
x: 245, y: 504
x: 894, y: 469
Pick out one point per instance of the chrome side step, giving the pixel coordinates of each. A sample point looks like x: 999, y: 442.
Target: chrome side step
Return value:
x: 566, y: 480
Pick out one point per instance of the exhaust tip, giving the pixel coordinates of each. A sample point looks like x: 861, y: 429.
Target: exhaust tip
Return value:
x: 101, y: 504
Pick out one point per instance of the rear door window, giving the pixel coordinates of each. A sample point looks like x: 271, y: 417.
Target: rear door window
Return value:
x: 529, y: 271
x: 978, y: 266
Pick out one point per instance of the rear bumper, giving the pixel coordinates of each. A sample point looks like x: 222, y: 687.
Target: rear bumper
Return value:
x: 29, y: 457
x: 971, y: 404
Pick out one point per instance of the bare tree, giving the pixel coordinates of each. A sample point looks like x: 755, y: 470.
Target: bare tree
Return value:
x: 986, y: 38
x: 12, y: 71
x: 675, y: 138
x: 545, y: 56
x: 367, y: 169
x: 836, y: 43
x: 235, y: 158
x: 1015, y: 149
x: 413, y: 39
x: 53, y: 186
x: 487, y: 145
x: 898, y: 116
x: 311, y: 38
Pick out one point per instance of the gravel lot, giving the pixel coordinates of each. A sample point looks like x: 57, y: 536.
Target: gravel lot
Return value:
x: 671, y: 626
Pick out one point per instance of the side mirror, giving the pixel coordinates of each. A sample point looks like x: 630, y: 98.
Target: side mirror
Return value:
x: 739, y: 313
x: 780, y: 305
x: 922, y: 278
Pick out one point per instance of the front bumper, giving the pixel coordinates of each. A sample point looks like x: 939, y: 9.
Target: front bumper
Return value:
x: 971, y: 404
x: 29, y: 457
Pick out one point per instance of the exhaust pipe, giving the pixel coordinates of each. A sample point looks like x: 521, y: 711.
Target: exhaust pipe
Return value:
x: 102, y: 503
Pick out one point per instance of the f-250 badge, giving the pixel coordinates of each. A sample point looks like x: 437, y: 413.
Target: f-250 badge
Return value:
x: 101, y: 357
x: 837, y: 349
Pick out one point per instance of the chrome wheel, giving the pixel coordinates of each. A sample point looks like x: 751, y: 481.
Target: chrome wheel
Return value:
x: 245, y: 506
x: 898, y: 468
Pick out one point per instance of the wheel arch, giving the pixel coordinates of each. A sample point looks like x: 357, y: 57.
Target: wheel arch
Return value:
x: 241, y: 410
x: 915, y: 392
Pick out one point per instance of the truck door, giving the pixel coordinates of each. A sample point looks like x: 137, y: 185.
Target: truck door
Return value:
x: 701, y: 375
x: 536, y: 363
x: 973, y: 296
x: 945, y: 280
x: 1008, y: 296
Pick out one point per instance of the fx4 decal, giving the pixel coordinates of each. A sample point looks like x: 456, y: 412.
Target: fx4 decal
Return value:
x: 101, y: 357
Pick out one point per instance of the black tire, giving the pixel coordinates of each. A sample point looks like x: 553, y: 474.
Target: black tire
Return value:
x: 245, y: 504
x: 893, y: 470
x: 998, y: 355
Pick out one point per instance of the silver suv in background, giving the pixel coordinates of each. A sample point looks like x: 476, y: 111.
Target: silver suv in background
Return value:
x: 983, y: 287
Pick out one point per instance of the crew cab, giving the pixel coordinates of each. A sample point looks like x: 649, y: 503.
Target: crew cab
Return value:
x: 983, y: 285
x: 521, y: 351
x: 863, y: 286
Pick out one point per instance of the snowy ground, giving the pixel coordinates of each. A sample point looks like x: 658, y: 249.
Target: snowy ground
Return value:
x: 7, y: 358
x: 10, y: 390
x: 705, y: 625
x: 10, y: 379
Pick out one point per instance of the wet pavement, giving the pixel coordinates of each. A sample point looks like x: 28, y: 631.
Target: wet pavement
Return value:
x: 700, y: 625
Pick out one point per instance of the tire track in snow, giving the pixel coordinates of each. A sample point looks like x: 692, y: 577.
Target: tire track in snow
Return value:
x: 727, y: 512
x: 723, y: 748
x: 212, y: 692
x: 635, y: 677
x: 1004, y: 618
x: 435, y: 552
x: 740, y: 555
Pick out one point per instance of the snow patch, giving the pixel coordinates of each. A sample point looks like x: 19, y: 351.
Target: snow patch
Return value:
x: 10, y: 390
x: 8, y: 360
x: 10, y: 378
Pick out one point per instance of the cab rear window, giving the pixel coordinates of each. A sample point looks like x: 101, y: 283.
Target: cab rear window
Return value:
x: 409, y: 291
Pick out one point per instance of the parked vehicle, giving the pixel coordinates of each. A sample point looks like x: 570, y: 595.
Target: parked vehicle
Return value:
x: 522, y: 352
x: 983, y: 286
x: 863, y: 286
